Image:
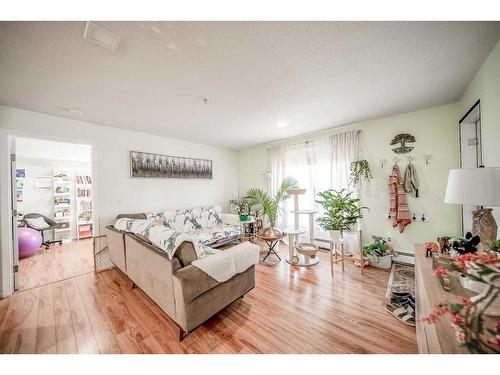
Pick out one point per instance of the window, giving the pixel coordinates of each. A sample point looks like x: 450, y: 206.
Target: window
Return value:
x: 318, y: 165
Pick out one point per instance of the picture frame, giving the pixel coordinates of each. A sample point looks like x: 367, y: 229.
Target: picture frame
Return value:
x: 149, y: 165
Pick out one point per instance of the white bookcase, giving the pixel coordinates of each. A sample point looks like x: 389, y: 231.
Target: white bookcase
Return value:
x: 61, y: 187
x: 84, y: 207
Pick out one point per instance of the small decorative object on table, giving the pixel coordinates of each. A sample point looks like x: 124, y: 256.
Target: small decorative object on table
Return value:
x: 467, y: 245
x: 444, y: 244
x: 431, y: 248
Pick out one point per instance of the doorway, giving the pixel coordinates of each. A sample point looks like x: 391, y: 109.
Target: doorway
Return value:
x: 471, y: 155
x: 53, y: 198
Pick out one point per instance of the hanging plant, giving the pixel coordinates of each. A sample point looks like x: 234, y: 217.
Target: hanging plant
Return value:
x: 360, y: 170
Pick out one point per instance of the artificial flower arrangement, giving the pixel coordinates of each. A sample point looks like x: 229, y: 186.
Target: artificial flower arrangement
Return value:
x: 468, y: 321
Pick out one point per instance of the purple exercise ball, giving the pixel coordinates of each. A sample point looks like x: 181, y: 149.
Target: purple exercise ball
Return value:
x: 29, y: 241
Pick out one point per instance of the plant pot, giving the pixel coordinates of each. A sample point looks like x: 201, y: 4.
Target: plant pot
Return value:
x: 335, y: 235
x: 243, y: 217
x: 270, y: 232
x: 384, y: 262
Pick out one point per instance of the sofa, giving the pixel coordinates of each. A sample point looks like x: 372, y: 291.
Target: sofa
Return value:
x: 184, y: 292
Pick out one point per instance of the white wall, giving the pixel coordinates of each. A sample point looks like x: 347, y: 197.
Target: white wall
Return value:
x: 116, y: 191
x: 486, y: 87
x: 41, y: 200
x: 436, y: 133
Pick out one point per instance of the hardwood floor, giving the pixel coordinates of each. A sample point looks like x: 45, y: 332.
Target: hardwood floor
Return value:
x: 56, y: 263
x: 291, y: 310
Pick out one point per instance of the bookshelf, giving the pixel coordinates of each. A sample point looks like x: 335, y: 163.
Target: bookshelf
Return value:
x: 61, y: 188
x: 84, y: 207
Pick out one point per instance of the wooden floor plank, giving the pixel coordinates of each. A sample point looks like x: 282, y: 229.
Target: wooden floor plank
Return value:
x: 291, y: 310
x: 104, y: 337
x: 65, y: 333
x: 84, y: 334
x: 46, y: 327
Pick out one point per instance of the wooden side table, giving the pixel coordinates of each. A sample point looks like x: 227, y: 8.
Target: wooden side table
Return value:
x: 337, y: 251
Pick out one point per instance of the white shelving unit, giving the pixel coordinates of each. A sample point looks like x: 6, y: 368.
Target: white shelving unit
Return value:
x: 61, y: 188
x: 84, y: 207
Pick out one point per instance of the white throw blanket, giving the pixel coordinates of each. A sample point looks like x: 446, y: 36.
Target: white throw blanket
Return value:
x: 219, y: 264
x: 227, y: 263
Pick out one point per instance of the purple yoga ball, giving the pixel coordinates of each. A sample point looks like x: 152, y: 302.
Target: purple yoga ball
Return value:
x: 29, y: 241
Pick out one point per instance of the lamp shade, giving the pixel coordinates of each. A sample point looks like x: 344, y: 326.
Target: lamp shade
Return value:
x: 474, y: 186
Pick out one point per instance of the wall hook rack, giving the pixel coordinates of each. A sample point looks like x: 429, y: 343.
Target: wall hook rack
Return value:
x: 427, y: 158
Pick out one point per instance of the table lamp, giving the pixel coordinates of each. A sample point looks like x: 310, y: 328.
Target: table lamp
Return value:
x: 478, y: 187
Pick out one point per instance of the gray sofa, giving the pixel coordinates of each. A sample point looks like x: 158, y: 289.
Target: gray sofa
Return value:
x: 184, y: 292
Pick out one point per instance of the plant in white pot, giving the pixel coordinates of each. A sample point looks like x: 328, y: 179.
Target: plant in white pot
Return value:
x: 342, y: 212
x: 269, y: 205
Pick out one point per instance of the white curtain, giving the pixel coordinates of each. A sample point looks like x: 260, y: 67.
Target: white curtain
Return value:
x: 318, y: 165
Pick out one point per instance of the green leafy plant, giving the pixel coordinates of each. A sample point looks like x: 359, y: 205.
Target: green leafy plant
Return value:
x: 341, y: 210
x: 377, y: 248
x: 239, y: 204
x: 495, y: 246
x: 268, y: 205
x: 360, y: 170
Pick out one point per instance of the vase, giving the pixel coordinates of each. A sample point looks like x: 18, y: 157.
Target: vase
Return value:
x: 270, y: 232
x: 484, y: 225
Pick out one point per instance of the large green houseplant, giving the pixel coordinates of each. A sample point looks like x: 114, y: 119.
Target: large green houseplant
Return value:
x: 342, y: 212
x: 269, y: 205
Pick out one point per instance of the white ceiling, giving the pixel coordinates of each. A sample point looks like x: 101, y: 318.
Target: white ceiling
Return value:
x: 311, y: 75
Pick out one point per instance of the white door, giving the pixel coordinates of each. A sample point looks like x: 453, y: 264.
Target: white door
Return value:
x: 470, y: 154
x: 15, y: 245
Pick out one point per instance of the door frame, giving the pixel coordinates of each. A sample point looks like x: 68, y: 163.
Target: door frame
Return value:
x: 6, y: 240
x: 479, y: 157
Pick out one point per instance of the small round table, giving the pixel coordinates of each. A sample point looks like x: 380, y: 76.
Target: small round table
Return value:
x: 271, y: 244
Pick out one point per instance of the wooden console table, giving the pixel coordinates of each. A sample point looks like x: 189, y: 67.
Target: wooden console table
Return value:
x: 437, y: 338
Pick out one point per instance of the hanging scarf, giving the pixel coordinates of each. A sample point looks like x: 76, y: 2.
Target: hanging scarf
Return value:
x: 398, y: 208
x: 411, y: 181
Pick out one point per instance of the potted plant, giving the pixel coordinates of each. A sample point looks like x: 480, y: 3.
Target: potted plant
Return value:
x: 240, y: 206
x: 360, y: 170
x: 495, y: 247
x: 379, y: 254
x: 342, y: 212
x: 268, y: 205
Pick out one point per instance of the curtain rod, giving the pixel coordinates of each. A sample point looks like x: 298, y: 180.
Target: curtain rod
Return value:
x: 309, y: 136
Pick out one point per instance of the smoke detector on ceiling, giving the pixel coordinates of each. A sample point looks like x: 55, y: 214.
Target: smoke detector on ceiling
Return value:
x: 101, y: 36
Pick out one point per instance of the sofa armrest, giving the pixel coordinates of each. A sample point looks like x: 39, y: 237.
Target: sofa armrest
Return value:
x: 232, y: 219
x: 192, y: 282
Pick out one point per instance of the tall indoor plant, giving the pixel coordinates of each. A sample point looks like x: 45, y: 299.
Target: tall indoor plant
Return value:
x: 269, y: 205
x: 342, y: 212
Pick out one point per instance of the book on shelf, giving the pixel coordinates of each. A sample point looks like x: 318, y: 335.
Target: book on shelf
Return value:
x: 83, y: 180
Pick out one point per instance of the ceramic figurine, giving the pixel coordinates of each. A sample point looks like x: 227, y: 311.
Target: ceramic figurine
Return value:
x: 430, y: 248
x: 467, y: 245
